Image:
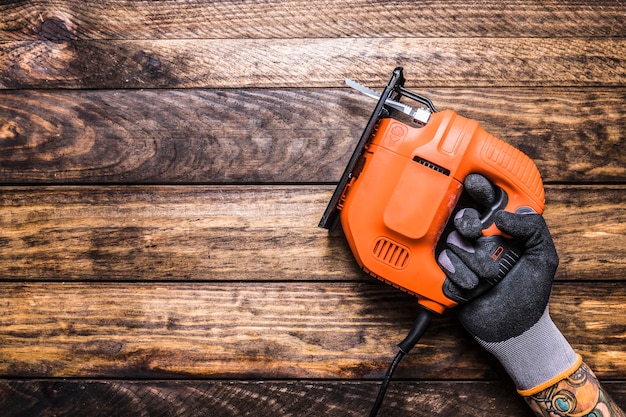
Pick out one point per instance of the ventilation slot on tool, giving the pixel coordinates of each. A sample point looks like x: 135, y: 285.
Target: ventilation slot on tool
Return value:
x: 432, y: 166
x: 391, y: 253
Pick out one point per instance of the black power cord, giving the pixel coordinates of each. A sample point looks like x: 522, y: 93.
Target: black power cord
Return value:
x: 424, y: 317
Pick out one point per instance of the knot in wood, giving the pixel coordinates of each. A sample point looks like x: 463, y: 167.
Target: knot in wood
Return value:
x: 54, y: 29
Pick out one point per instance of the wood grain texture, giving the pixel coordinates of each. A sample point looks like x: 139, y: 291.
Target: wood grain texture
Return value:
x: 125, y: 19
x: 281, y: 135
x: 268, y: 331
x: 164, y: 164
x: 271, y: 63
x: 82, y: 398
x: 251, y: 398
x: 237, y: 233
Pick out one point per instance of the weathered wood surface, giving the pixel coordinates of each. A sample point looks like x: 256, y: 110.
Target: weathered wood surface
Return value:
x: 268, y: 63
x: 259, y: 233
x: 279, y: 398
x: 252, y: 398
x: 127, y: 19
x: 281, y: 135
x: 267, y: 331
x: 163, y: 167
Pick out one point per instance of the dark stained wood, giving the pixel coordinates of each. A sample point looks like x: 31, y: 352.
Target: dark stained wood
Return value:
x: 125, y: 19
x: 216, y: 136
x: 271, y: 63
x: 573, y: 216
x: 282, y: 135
x: 277, y: 398
x: 259, y: 233
x: 268, y: 331
x: 196, y: 233
x: 285, y: 398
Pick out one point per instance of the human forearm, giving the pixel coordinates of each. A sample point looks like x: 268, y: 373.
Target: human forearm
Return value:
x: 580, y: 394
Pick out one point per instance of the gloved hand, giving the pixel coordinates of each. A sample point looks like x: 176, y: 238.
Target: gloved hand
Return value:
x: 510, y: 320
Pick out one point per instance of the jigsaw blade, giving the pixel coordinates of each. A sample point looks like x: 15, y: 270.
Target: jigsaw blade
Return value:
x: 422, y: 115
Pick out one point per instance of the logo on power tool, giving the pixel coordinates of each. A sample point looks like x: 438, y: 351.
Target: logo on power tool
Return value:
x: 396, y: 134
x: 497, y: 253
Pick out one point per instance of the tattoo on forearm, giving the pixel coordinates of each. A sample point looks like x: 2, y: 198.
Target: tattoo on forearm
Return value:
x: 578, y: 395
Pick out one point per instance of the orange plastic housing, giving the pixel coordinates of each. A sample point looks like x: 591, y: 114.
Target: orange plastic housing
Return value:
x: 395, y: 210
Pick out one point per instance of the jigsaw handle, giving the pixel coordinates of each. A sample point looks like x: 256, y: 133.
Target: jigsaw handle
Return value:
x: 512, y: 171
x: 517, y: 188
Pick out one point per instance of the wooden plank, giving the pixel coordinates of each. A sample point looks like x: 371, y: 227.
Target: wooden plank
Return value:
x: 220, y: 136
x: 244, y: 233
x: 125, y: 19
x: 267, y: 331
x: 267, y: 398
x: 194, y: 233
x: 271, y: 63
x: 280, y: 135
x: 573, y: 218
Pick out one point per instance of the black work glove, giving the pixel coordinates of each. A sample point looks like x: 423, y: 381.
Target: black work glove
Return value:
x: 510, y: 320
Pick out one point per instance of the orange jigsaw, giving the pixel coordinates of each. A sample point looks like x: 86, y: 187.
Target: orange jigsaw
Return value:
x: 404, y: 181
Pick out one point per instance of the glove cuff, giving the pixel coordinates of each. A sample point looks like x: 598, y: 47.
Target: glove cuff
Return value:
x: 568, y: 372
x: 536, y: 359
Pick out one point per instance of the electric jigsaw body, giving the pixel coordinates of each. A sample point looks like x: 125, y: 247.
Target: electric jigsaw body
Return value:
x: 404, y: 182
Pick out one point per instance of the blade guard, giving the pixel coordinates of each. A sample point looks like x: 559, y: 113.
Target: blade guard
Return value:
x: 394, y: 88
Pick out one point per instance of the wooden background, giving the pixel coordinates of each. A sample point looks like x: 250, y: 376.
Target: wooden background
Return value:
x: 164, y: 165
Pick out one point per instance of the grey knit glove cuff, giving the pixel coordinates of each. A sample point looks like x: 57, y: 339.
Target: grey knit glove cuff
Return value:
x: 537, y: 358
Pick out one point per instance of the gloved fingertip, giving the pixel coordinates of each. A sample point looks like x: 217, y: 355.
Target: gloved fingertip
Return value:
x: 466, y: 281
x: 507, y: 222
x: 445, y: 262
x: 456, y: 239
x: 460, y: 214
x: 480, y: 189
x: 462, y: 276
x: 520, y: 225
x: 468, y: 223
